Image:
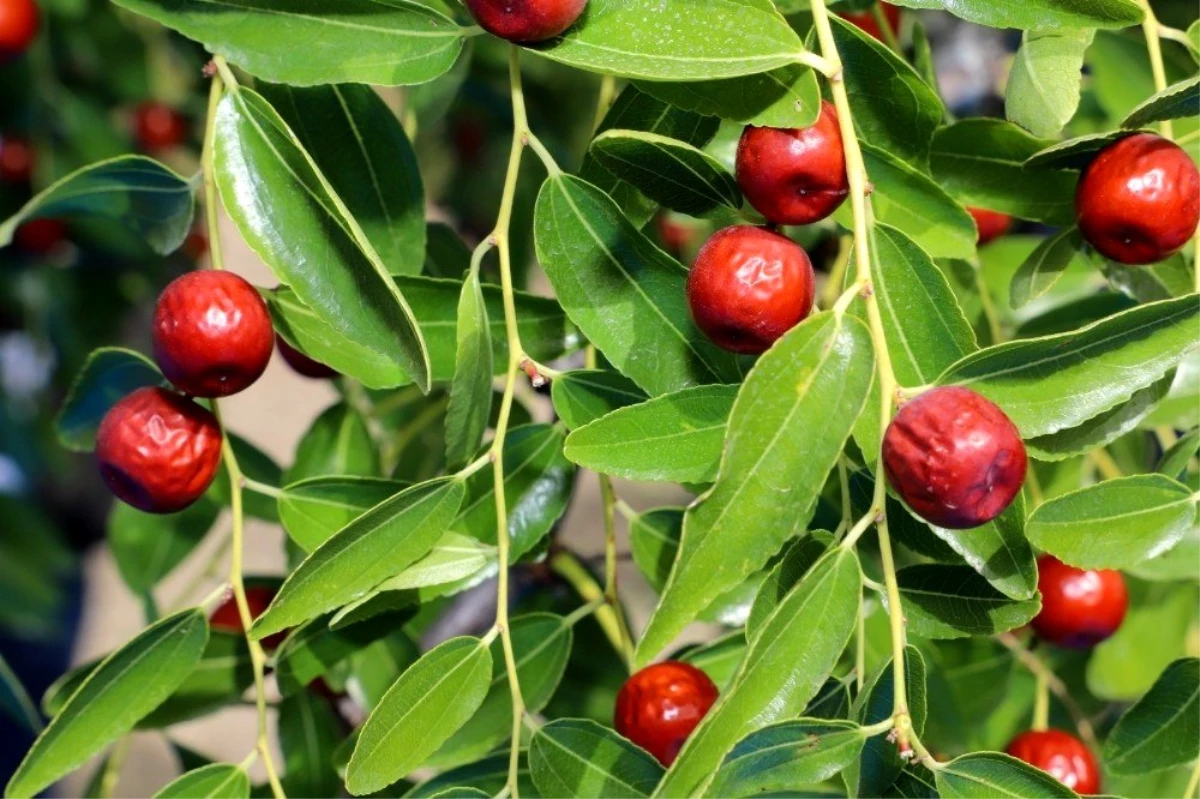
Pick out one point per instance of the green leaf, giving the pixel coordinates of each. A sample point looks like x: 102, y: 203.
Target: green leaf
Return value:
x: 289, y: 214
x: 387, y: 42
x: 1177, y: 101
x: 538, y: 481
x: 895, y: 109
x: 1161, y: 281
x: 1045, y: 14
x: 436, y: 696
x: 471, y: 390
x: 1043, y: 86
x: 15, y: 701
x: 446, y: 254
x: 798, y: 558
x: 580, y: 758
x: 670, y: 172
x: 653, y: 541
x: 622, y: 291
x: 1142, y: 516
x: 541, y: 645
x: 370, y: 549
x: 337, y: 443
x: 783, y: 668
x: 1057, y: 382
x: 991, y: 775
x: 1074, y: 153
x: 126, y: 686
x: 108, y: 374
x: 881, y: 762
x: 999, y: 551
x: 312, y: 649
x: 312, y: 510
x: 454, y: 557
x: 1041, y: 270
x: 584, y: 395
x: 223, y: 674
x: 214, y: 781
x: 358, y: 144
x: 310, y: 729
x: 135, y: 192
x: 488, y: 775
x: 1174, y: 461
x: 614, y: 38
x: 956, y: 602
x: 821, y: 369
x: 719, y: 659
x: 786, y: 97
x: 981, y: 162
x: 1154, y: 633
x: 1163, y: 729
x: 1103, y: 428
x: 676, y: 437
x: 782, y: 756
x: 255, y: 465
x: 147, y: 546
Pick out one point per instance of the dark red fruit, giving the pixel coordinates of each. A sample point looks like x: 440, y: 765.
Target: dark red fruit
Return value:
x: 1080, y: 607
x: 16, y: 159
x: 990, y: 224
x: 525, y: 20
x: 865, y: 20
x: 301, y: 363
x: 212, y: 333
x: 794, y: 176
x: 19, y: 23
x: 1139, y: 199
x: 749, y: 286
x: 954, y: 457
x: 659, y: 706
x: 195, y: 246
x: 40, y: 235
x: 158, y: 127
x: 157, y: 450
x: 1061, y: 755
x: 258, y: 597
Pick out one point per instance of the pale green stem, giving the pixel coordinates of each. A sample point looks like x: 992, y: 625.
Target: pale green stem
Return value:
x: 1150, y: 28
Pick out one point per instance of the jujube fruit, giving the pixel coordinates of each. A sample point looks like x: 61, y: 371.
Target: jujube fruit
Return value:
x: 158, y: 127
x: 865, y: 20
x: 1138, y: 201
x: 157, y: 450
x: 258, y: 598
x: 16, y: 159
x: 525, y: 20
x: 301, y: 363
x: 749, y: 286
x: 19, y: 23
x: 1080, y: 607
x: 990, y: 224
x: 954, y: 457
x: 1061, y: 755
x: 794, y: 176
x: 212, y: 333
x: 659, y: 706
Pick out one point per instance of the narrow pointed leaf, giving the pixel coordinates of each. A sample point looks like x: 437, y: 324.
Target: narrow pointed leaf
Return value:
x: 108, y: 375
x: 1163, y: 729
x: 991, y: 775
x: 798, y: 558
x: 881, y: 763
x: 1049, y: 14
x: 1104, y: 428
x: 471, y: 388
x: 454, y: 557
x: 214, y: 781
x: 1041, y: 270
x: 147, y: 546
x: 1174, y: 102
x: 337, y: 443
x: 779, y: 757
x: 956, y: 602
x: 314, y: 509
x: 310, y: 729
x: 580, y: 758
x: 15, y: 700
x: 313, y: 649
x: 786, y: 97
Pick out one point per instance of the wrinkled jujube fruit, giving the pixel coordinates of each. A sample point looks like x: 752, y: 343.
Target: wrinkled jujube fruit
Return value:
x: 1061, y: 755
x: 158, y: 127
x: 157, y: 450
x: 954, y: 457
x: 865, y: 20
x: 19, y: 23
x: 990, y: 224
x: 301, y: 363
x: 212, y: 333
x: 659, y: 706
x: 1080, y: 607
x: 1139, y: 199
x: 749, y: 286
x: 40, y: 235
x: 525, y: 20
x: 16, y: 159
x: 258, y: 598
x: 794, y: 176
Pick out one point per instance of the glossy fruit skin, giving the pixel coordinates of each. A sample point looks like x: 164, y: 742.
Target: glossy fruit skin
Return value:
x: 748, y: 286
x: 525, y: 20
x: 659, y: 706
x: 865, y: 20
x: 1080, y: 607
x: 301, y: 363
x: 794, y: 176
x: 990, y: 224
x: 227, y: 618
x: 1061, y: 755
x: 19, y: 24
x: 1138, y: 201
x: 954, y: 457
x: 40, y: 235
x: 16, y: 159
x: 212, y: 333
x: 157, y: 450
x: 158, y: 127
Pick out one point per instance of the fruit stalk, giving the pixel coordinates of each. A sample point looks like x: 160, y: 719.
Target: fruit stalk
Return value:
x: 1056, y: 686
x: 216, y: 258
